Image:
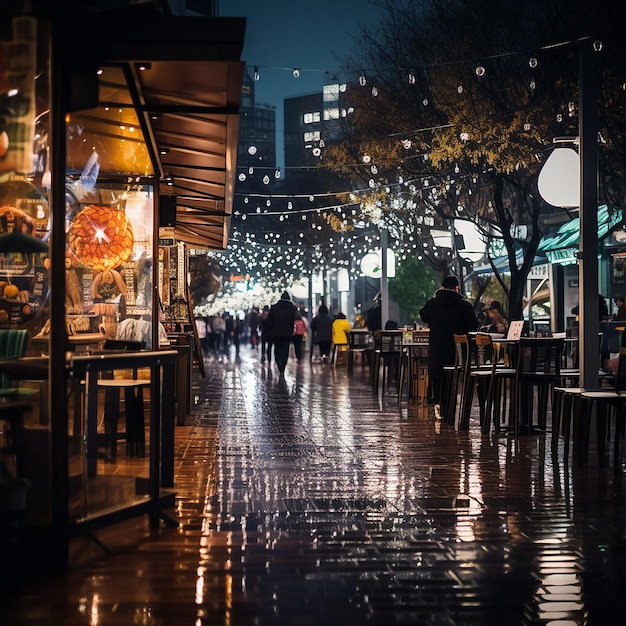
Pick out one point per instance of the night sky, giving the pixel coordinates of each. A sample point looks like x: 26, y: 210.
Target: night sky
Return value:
x: 283, y: 34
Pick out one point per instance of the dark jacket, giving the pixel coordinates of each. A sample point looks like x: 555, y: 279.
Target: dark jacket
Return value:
x: 447, y: 314
x: 322, y: 327
x: 280, y: 319
x: 374, y: 317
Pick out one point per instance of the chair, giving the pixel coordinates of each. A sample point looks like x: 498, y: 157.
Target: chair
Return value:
x: 538, y: 368
x: 13, y: 344
x: 386, y: 356
x: 359, y: 342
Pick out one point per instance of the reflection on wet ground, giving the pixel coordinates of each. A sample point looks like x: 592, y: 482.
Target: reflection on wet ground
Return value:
x: 309, y: 500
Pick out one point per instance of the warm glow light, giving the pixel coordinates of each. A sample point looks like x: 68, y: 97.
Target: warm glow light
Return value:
x: 371, y: 264
x: 559, y: 178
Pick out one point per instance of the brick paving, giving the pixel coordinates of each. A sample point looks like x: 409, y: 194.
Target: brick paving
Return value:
x: 310, y: 500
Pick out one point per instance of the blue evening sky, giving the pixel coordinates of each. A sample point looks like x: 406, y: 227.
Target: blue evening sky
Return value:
x: 311, y: 35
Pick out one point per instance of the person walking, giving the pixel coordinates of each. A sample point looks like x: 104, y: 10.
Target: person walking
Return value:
x: 281, y: 319
x: 299, y: 333
x: 202, y: 335
x: 447, y: 314
x: 322, y: 329
x: 266, y: 336
x: 254, y: 320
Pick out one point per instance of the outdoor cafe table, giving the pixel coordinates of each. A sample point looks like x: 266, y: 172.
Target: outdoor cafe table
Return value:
x: 87, y: 367
x: 162, y: 364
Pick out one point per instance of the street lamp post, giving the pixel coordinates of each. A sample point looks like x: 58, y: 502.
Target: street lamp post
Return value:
x: 588, y: 241
x: 558, y: 192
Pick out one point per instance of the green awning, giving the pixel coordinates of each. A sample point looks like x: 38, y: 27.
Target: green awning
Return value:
x: 562, y: 246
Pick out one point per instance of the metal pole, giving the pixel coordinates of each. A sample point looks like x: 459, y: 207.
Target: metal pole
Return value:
x: 384, y: 291
x: 588, y: 242
x: 57, y: 396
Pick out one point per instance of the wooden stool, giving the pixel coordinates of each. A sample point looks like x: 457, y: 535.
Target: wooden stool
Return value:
x: 133, y: 414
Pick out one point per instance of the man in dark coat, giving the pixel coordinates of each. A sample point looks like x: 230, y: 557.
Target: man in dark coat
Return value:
x: 447, y: 314
x: 280, y: 321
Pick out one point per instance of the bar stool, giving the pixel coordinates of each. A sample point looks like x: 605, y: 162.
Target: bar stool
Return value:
x: 386, y: 357
x: 133, y: 411
x: 454, y: 376
x: 133, y: 406
x: 538, y: 369
x: 414, y: 369
x: 359, y: 343
x: 608, y: 403
x: 485, y: 376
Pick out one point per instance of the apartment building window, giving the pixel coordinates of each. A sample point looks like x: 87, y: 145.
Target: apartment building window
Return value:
x: 331, y: 93
x: 332, y: 113
x: 312, y: 136
x: 310, y: 118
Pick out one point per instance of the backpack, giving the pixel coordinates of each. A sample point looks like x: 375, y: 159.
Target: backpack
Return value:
x: 299, y: 327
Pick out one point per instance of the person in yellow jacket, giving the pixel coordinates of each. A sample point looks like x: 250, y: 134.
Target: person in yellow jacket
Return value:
x: 341, y: 333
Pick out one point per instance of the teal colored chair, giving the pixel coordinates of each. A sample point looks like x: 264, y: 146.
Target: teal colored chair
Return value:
x: 13, y: 344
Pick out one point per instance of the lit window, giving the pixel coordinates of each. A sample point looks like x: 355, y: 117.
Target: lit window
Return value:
x: 331, y: 114
x: 310, y: 118
x: 313, y: 136
x: 331, y: 93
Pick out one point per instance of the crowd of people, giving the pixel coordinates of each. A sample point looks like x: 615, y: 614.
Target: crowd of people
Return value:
x: 272, y: 331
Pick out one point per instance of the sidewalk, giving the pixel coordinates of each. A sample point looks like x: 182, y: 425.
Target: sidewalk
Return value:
x: 312, y: 501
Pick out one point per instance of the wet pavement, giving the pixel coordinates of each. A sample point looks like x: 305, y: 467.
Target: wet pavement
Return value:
x: 310, y: 500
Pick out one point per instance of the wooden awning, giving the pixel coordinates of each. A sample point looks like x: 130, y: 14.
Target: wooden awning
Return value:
x: 167, y: 108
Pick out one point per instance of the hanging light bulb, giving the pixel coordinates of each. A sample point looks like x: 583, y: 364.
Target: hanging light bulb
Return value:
x: 425, y: 102
x: 251, y: 170
x: 296, y: 72
x: 460, y: 88
x: 277, y: 173
x: 256, y: 73
x: 480, y: 71
x: 252, y: 150
x: 532, y: 62
x: 374, y: 91
x: 290, y: 205
x: 266, y: 180
x: 362, y: 80
x: 411, y: 77
x: 242, y: 177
